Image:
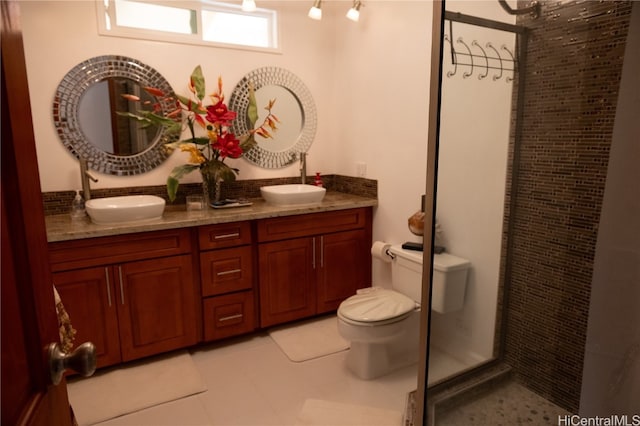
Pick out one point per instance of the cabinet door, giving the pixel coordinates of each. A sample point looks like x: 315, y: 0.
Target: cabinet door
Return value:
x: 287, y: 280
x: 156, y: 306
x: 88, y: 296
x: 345, y: 265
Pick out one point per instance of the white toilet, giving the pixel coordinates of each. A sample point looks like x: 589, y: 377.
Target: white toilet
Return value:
x: 383, y: 325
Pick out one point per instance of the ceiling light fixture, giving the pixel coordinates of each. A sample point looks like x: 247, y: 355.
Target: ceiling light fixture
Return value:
x: 354, y: 12
x: 316, y: 12
x: 249, y: 5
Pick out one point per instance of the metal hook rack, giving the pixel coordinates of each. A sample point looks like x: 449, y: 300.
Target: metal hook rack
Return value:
x: 479, y: 59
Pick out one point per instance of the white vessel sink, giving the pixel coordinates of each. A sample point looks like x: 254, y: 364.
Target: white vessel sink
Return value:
x: 291, y: 194
x: 126, y: 209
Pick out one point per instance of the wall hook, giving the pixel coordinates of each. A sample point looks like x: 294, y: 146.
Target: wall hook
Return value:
x: 484, y: 54
x: 490, y: 46
x: 453, y: 58
x: 467, y: 74
x: 503, y: 47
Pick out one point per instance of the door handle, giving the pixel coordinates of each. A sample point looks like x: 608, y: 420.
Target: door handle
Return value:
x: 121, y: 285
x: 82, y: 360
x: 106, y: 275
x: 313, y: 253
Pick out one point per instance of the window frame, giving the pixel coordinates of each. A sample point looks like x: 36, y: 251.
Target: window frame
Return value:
x: 106, y: 10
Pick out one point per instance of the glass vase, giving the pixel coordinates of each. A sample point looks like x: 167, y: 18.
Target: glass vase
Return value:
x: 211, y: 187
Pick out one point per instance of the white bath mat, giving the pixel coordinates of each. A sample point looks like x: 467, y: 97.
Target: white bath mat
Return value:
x: 134, y: 387
x: 310, y: 339
x: 316, y: 412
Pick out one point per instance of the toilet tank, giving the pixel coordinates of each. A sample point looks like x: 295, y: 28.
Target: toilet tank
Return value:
x: 449, y: 278
x: 449, y: 282
x: 406, y: 272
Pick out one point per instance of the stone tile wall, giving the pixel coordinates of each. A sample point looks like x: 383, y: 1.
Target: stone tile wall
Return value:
x: 572, y: 73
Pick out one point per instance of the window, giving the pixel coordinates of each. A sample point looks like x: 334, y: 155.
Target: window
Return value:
x: 193, y: 22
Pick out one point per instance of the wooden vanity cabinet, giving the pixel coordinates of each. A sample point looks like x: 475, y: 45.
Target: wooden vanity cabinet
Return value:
x: 147, y: 293
x: 131, y: 295
x: 227, y: 276
x: 310, y: 263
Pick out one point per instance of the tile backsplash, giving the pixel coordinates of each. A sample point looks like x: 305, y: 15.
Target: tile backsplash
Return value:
x: 59, y: 202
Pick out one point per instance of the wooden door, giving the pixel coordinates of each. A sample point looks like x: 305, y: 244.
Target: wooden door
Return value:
x: 156, y: 302
x: 90, y: 299
x: 344, y: 262
x: 29, y: 320
x: 287, y: 280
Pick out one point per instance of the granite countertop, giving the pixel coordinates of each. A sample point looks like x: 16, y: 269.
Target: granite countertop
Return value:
x: 62, y: 228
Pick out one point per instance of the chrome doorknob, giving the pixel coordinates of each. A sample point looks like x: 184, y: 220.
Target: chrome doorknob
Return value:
x: 82, y: 360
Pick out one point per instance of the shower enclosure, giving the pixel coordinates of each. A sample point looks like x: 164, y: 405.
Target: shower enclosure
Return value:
x: 529, y: 105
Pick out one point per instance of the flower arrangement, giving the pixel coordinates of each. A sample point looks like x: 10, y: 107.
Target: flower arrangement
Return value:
x: 207, y: 153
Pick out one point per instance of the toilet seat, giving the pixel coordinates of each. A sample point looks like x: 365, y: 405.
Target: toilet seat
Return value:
x: 376, y: 306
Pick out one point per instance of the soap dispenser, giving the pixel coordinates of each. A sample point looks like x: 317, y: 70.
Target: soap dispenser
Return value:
x: 318, y: 180
x: 77, y: 207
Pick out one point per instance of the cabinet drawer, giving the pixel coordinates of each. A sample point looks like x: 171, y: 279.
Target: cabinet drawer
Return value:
x: 76, y: 254
x: 224, y: 235
x: 226, y: 271
x: 228, y: 315
x: 281, y: 228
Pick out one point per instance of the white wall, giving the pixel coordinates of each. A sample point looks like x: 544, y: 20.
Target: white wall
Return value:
x: 382, y: 98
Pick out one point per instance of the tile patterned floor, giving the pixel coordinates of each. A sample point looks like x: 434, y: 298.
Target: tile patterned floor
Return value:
x: 508, y: 404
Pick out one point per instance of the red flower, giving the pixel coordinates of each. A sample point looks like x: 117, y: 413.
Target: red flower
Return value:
x: 219, y: 114
x: 228, y: 146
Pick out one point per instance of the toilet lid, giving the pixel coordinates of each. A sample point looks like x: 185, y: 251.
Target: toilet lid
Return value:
x: 376, y: 304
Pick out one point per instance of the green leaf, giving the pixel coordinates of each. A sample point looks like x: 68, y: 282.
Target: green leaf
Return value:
x: 190, y: 104
x: 220, y: 169
x: 197, y: 79
x: 173, y: 181
x: 248, y: 143
x: 132, y: 115
x: 180, y: 171
x: 148, y: 118
x: 252, y: 109
x: 183, y: 99
x: 229, y: 174
x: 172, y: 188
x: 199, y: 141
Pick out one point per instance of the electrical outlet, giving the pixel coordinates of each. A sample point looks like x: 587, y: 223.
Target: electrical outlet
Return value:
x: 361, y: 169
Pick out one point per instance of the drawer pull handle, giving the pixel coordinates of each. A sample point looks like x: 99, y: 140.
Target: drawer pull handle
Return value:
x: 230, y: 271
x: 222, y: 236
x: 230, y: 317
x: 106, y: 275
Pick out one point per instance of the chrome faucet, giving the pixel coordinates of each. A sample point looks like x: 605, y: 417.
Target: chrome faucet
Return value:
x: 85, y: 175
x: 303, y: 167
